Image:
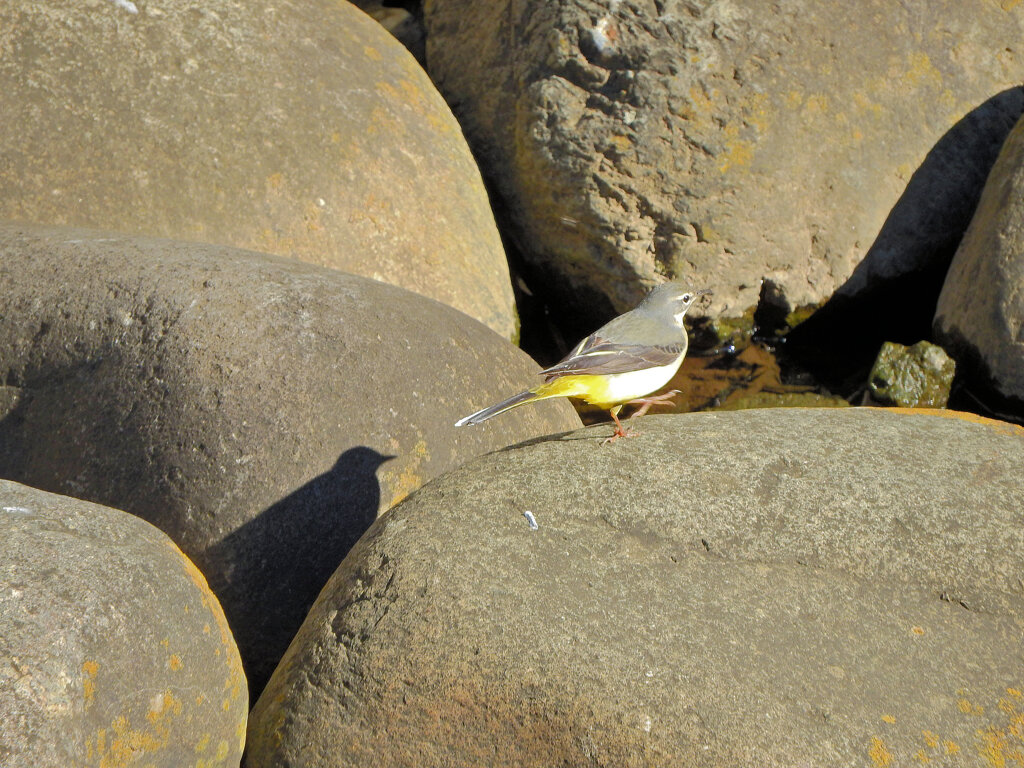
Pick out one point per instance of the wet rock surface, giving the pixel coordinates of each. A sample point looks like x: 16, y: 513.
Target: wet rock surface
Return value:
x: 260, y: 411
x: 113, y: 650
x: 723, y: 589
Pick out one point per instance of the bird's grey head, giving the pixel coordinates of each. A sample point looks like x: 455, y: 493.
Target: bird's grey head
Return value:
x: 672, y: 298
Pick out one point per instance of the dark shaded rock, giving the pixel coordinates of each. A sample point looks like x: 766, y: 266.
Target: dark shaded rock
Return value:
x: 296, y: 128
x: 113, y: 650
x: 719, y: 143
x: 911, y: 377
x: 981, y: 308
x: 891, y: 295
x: 783, y: 587
x: 260, y: 411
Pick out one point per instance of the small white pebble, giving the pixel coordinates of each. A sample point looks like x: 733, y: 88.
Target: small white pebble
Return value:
x: 17, y: 510
x: 531, y: 520
x: 125, y: 5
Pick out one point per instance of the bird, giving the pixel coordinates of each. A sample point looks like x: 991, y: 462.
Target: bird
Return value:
x: 629, y: 357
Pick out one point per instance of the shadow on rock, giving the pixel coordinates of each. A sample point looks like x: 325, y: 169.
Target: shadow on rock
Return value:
x: 275, y: 565
x: 891, y: 295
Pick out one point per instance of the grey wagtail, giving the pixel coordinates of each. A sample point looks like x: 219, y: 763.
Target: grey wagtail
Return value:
x: 631, y: 356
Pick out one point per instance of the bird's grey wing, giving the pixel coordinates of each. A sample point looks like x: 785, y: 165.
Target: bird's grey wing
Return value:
x: 604, y: 358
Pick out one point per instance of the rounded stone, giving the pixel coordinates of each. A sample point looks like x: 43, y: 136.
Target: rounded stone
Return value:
x: 113, y: 650
x: 260, y: 411
x: 725, y: 588
x: 981, y: 308
x: 726, y: 143
x: 297, y: 128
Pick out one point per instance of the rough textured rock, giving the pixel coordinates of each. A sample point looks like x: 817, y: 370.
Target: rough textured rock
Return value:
x: 720, y: 142
x: 260, y: 411
x: 911, y: 377
x: 724, y: 589
x: 296, y: 128
x: 981, y: 308
x: 113, y: 651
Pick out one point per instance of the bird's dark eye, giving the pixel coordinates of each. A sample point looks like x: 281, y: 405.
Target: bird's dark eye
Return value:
x: 687, y: 298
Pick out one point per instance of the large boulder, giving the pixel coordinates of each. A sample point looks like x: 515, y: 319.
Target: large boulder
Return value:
x: 721, y: 142
x: 113, y: 650
x: 296, y: 128
x: 724, y: 589
x: 260, y: 411
x: 981, y: 308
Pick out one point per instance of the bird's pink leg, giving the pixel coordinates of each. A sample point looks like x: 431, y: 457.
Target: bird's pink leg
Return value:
x: 620, y: 431
x: 647, y: 402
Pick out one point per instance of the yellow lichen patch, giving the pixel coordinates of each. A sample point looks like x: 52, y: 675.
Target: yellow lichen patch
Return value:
x: 951, y: 747
x: 737, y: 153
x: 409, y: 479
x: 1009, y: 5
x: 904, y: 171
x: 311, y: 218
x: 621, y: 143
x: 236, y: 676
x: 917, y: 630
x: 127, y: 743
x: 372, y: 53
x: 203, y: 743
x: 968, y: 708
x: 275, y: 182
x: 921, y: 757
x: 888, y: 719
x: 878, y: 753
x: 174, y: 662
x: 1014, y: 692
x: 816, y: 104
x: 866, y: 105
x: 756, y: 118
x: 702, y: 102
x: 931, y: 739
x: 163, y: 705
x: 89, y: 669
x: 996, y: 751
x: 921, y: 72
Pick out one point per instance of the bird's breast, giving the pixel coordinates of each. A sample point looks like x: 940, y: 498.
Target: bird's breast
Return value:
x: 612, y: 389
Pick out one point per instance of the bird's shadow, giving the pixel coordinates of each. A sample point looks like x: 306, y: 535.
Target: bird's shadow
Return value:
x: 272, y: 567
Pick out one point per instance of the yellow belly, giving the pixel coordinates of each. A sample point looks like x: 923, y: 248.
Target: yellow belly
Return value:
x: 609, y: 391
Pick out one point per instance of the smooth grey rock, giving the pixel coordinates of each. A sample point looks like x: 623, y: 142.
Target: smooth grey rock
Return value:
x: 299, y: 128
x: 258, y: 410
x: 721, y: 143
x: 113, y: 650
x: 784, y: 587
x: 981, y: 308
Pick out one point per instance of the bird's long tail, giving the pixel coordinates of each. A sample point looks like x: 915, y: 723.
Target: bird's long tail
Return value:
x: 523, y: 397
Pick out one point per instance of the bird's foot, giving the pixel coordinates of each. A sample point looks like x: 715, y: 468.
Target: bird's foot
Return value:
x: 620, y: 431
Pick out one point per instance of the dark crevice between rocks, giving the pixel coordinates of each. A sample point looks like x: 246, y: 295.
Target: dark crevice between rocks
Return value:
x: 893, y: 292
